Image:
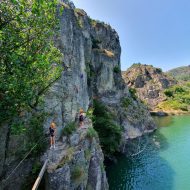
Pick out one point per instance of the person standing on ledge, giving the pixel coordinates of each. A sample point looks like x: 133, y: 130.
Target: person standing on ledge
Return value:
x: 52, y: 131
x: 81, y: 118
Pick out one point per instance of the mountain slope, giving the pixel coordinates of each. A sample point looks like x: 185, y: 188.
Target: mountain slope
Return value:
x: 180, y: 73
x: 149, y: 82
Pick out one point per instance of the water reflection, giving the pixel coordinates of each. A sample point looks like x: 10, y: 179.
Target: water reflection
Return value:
x: 163, y: 121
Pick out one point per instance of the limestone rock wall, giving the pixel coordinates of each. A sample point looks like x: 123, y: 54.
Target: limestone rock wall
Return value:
x: 76, y: 163
x: 91, y: 64
x: 150, y: 82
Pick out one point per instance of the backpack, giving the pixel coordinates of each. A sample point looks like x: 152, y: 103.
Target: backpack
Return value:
x: 81, y: 117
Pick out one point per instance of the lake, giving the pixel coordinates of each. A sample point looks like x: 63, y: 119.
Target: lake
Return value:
x: 162, y: 164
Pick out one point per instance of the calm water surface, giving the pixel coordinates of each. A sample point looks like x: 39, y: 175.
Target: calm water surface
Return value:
x: 163, y: 165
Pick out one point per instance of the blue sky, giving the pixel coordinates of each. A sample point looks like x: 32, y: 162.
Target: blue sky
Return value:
x: 155, y: 32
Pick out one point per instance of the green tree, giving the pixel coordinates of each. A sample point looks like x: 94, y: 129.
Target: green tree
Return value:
x: 29, y: 61
x: 108, y: 132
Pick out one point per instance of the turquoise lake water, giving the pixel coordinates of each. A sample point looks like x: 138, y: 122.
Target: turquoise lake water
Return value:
x: 163, y: 165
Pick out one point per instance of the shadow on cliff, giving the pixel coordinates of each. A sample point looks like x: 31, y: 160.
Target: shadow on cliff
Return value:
x: 165, y: 121
x: 144, y: 171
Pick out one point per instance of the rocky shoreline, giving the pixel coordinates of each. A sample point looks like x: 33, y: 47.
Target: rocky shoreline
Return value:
x: 167, y: 113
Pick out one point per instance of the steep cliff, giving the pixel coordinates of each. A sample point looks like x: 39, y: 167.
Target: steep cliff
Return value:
x: 92, y: 71
x: 150, y: 82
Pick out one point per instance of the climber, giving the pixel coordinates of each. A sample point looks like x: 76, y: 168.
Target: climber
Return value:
x: 81, y: 118
x: 52, y: 130
x: 76, y: 89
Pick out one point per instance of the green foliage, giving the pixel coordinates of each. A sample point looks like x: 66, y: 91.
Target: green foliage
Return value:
x: 89, y: 113
x: 91, y: 133
x: 133, y: 93
x: 173, y: 105
x: 102, y: 166
x: 159, y: 70
x: 79, y: 22
x: 18, y: 128
x: 35, y: 134
x: 31, y: 134
x: 136, y: 64
x: 188, y: 84
x: 29, y: 181
x: 168, y: 93
x: 93, y: 22
x: 27, y: 54
x: 109, y: 133
x: 179, y: 89
x: 77, y: 173
x: 181, y: 73
x: 116, y: 69
x: 69, y: 128
x: 36, y: 168
x: 178, y: 98
x: 87, y: 154
x: 126, y: 102
x: 67, y: 158
x: 95, y: 43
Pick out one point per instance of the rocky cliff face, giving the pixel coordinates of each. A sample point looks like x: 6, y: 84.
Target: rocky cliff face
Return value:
x: 91, y: 65
x: 149, y: 82
x: 91, y: 70
x: 77, y: 162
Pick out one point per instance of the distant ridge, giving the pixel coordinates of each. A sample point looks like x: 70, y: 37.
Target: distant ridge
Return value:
x: 180, y: 73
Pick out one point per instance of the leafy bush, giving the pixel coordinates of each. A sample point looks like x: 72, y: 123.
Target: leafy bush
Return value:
x: 93, y: 22
x: 178, y: 98
x: 77, y: 173
x: 179, y: 89
x: 17, y: 128
x: 95, y: 43
x: 80, y: 23
x: 126, y: 102
x: 159, y: 70
x: 35, y: 133
x: 69, y: 128
x: 109, y: 133
x: 188, y: 84
x: 186, y: 99
x: 89, y: 113
x: 133, y: 93
x: 168, y: 93
x: 173, y: 105
x: 136, y: 64
x: 91, y: 132
x: 116, y: 69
